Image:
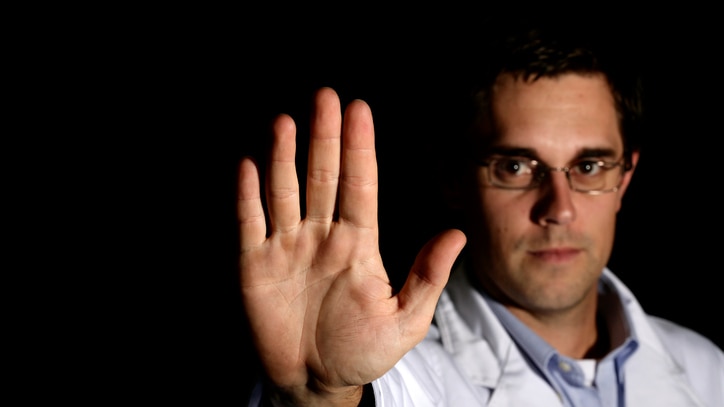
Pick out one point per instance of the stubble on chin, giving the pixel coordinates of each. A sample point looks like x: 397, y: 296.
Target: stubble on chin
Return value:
x: 533, y: 277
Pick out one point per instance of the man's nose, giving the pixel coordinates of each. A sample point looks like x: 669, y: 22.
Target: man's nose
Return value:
x: 555, y: 206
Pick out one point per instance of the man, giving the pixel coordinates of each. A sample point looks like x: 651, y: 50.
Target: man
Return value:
x: 529, y: 314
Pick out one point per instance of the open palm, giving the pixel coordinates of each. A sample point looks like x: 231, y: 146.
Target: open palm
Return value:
x: 319, y: 301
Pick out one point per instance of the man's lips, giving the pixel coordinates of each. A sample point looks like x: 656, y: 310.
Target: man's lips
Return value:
x: 555, y: 255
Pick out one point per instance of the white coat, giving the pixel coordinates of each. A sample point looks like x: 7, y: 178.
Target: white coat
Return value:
x: 673, y: 366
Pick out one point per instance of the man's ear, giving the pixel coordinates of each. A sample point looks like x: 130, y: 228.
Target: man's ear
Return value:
x: 627, y: 176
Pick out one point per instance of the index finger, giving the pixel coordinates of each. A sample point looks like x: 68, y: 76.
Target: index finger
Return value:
x: 358, y: 178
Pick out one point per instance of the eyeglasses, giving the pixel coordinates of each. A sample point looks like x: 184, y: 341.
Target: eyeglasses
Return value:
x: 586, y: 175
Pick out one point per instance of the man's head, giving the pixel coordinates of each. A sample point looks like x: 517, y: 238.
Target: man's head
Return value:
x: 547, y: 159
x: 549, y: 48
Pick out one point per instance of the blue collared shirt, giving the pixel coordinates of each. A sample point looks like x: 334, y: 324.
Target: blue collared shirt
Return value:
x: 565, y: 374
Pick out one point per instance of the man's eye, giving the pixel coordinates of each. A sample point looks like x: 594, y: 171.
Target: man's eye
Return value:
x: 587, y: 167
x: 513, y: 166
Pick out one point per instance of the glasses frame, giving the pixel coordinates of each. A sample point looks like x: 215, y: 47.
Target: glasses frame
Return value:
x: 540, y: 172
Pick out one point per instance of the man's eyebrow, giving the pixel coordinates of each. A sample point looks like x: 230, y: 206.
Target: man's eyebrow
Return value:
x: 512, y: 151
x: 596, y: 153
x: 531, y: 153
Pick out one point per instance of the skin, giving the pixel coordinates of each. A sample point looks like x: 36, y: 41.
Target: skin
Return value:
x: 542, y: 251
x: 322, y: 312
x: 317, y: 296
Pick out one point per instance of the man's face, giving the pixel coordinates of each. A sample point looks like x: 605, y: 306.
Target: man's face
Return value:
x: 543, y: 249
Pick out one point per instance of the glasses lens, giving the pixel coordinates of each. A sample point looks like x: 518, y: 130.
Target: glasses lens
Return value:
x: 512, y: 172
x: 595, y: 176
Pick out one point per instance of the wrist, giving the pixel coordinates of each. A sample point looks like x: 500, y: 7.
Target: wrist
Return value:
x: 274, y: 396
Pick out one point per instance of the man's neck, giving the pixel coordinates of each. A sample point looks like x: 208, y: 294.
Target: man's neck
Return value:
x: 576, y: 333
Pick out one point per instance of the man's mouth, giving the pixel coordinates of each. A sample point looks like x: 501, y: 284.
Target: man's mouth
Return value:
x: 555, y: 255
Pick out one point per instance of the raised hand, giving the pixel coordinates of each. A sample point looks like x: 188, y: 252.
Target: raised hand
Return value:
x: 322, y: 311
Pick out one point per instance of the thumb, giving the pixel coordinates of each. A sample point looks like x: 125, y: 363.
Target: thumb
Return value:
x: 427, y: 278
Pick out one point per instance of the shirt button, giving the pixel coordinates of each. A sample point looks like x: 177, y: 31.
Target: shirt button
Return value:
x: 564, y: 366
